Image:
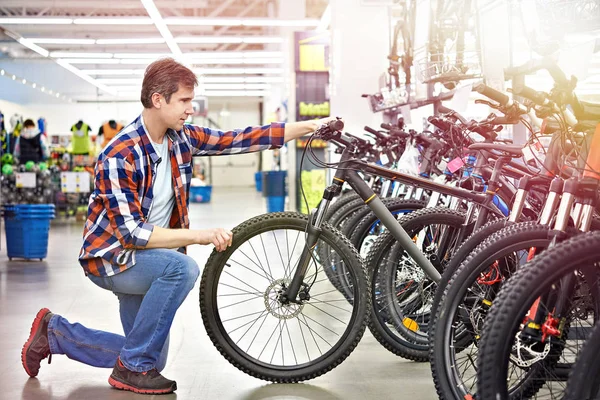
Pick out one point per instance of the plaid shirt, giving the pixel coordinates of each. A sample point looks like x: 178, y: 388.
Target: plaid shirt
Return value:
x: 125, y: 171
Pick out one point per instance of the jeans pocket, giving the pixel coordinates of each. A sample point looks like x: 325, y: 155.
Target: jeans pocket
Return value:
x: 105, y: 282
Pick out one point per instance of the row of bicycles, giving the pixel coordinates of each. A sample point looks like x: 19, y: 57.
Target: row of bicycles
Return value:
x: 482, y: 263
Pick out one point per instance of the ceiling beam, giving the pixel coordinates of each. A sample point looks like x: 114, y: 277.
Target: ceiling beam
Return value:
x: 162, y: 27
x: 243, y: 13
x: 217, y: 11
x: 109, y: 4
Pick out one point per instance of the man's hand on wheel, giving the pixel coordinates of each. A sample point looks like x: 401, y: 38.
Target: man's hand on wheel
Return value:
x: 219, y: 237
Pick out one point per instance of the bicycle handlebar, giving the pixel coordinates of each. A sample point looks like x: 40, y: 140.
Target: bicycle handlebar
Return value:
x: 493, y: 94
x: 335, y: 125
x: 379, y: 135
x: 539, y: 98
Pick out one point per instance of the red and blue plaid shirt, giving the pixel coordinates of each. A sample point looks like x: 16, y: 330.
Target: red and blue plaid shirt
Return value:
x: 125, y: 171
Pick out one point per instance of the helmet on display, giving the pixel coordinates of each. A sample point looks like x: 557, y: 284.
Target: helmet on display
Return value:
x: 7, y: 169
x: 43, y: 166
x: 8, y: 159
x: 29, y: 165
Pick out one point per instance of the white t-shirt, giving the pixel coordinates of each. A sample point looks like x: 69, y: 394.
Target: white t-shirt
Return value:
x: 164, y: 194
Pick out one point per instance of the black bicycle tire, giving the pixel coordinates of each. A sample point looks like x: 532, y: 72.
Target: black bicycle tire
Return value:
x: 584, y: 380
x: 454, y: 291
x: 343, y: 348
x: 394, y: 341
x: 517, y: 294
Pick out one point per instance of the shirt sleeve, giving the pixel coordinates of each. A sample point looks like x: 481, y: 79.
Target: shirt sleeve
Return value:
x: 206, y: 141
x: 116, y: 183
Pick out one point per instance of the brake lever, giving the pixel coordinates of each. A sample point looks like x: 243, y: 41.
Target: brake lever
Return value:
x: 487, y: 103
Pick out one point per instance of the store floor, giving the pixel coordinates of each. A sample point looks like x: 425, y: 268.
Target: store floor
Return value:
x: 371, y: 372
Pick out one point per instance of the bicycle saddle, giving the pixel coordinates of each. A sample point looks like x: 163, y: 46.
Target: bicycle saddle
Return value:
x: 512, y: 150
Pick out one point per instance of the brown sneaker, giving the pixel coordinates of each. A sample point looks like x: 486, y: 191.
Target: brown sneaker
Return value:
x: 149, y: 382
x: 36, y: 348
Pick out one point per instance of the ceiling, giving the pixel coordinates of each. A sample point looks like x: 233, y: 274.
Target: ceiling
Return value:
x: 97, y: 50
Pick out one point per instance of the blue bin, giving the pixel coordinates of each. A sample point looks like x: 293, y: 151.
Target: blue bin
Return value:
x: 27, y: 227
x: 200, y: 194
x: 273, y: 183
x: 258, y: 181
x: 275, y: 203
x: 274, y: 189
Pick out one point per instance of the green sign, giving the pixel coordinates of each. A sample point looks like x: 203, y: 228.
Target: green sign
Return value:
x: 312, y: 109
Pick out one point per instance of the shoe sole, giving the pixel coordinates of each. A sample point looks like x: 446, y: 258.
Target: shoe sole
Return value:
x: 34, y: 327
x: 123, y: 386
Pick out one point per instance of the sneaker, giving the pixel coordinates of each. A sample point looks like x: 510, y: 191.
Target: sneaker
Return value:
x: 36, y: 348
x: 148, y: 382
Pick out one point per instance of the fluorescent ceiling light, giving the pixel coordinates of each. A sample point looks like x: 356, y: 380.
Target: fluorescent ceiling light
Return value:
x: 279, y: 22
x: 133, y: 61
x: 83, y: 76
x: 235, y: 93
x: 236, y: 61
x: 203, y: 21
x: 325, y: 19
x: 227, y: 39
x: 195, y: 21
x: 131, y: 89
x: 113, y: 71
x: 231, y: 71
x: 259, y: 39
x: 36, y: 21
x: 236, y: 86
x: 90, y: 60
x: 113, y: 21
x: 61, y: 41
x: 234, y: 54
x: 32, y: 46
x: 141, y: 55
x: 155, y: 40
x: 242, y: 79
x: 202, y: 79
x: 158, y: 21
x: 119, y: 80
x: 207, y: 39
x: 67, y: 54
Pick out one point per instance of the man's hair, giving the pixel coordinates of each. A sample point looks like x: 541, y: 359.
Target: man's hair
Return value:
x: 165, y: 76
x: 28, y: 123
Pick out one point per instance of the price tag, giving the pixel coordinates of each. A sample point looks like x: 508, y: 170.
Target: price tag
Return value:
x: 25, y: 179
x: 528, y: 154
x: 384, y: 159
x: 455, y: 164
x: 75, y: 182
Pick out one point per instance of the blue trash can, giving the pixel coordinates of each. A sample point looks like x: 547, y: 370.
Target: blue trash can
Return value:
x: 27, y: 229
x: 274, y: 188
x: 258, y: 181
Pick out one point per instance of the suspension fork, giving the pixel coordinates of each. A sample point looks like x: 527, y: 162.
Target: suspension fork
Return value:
x: 562, y: 296
x: 313, y: 234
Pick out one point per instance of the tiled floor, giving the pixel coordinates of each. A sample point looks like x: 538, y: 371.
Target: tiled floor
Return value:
x: 201, y: 372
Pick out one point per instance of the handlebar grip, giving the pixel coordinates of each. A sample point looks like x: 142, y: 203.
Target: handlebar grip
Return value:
x: 493, y: 94
x: 374, y: 132
x: 336, y: 125
x: 439, y: 123
x: 538, y: 98
x: 387, y: 126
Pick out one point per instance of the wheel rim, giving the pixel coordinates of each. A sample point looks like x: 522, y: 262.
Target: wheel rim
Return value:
x: 273, y: 334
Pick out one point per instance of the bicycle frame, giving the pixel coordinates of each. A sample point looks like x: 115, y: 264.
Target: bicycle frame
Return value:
x: 347, y: 172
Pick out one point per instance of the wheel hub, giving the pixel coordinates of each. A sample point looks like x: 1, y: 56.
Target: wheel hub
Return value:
x: 274, y: 302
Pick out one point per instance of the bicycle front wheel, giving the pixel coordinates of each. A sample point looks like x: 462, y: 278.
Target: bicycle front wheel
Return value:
x: 259, y: 332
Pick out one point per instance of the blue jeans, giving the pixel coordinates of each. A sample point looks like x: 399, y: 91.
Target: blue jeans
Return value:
x: 149, y: 295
